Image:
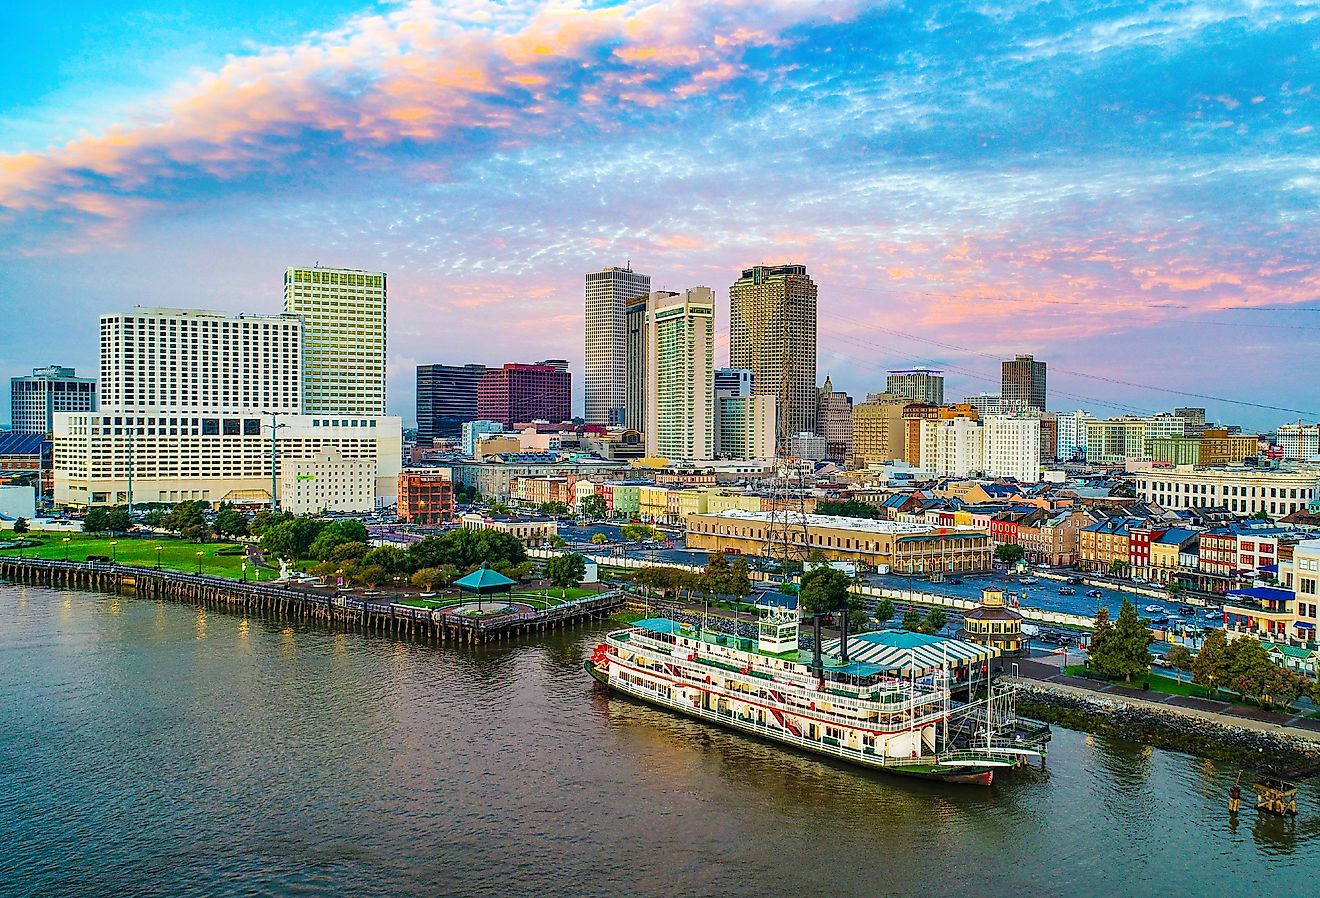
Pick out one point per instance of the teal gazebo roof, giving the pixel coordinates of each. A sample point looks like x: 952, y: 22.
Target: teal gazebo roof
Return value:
x: 483, y: 579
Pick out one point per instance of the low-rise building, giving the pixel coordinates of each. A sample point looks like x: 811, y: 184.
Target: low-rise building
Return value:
x: 426, y: 497
x: 530, y: 531
x: 327, y: 481
x: 994, y: 623
x: 903, y: 548
x: 1242, y: 489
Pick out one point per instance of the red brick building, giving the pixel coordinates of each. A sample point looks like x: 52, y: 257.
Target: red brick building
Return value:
x: 426, y: 497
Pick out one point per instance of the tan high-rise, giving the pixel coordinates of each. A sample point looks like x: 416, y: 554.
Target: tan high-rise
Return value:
x: 878, y: 429
x: 772, y: 332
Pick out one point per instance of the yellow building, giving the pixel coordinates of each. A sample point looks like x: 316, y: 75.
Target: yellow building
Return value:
x: 995, y: 624
x: 878, y: 429
x: 652, y: 502
x: 1219, y: 447
x: 902, y: 547
x: 720, y: 502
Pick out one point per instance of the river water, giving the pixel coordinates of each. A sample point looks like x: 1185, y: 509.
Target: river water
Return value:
x: 157, y: 749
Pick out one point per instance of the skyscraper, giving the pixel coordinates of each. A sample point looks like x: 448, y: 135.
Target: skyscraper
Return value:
x: 680, y: 389
x: 919, y: 384
x: 519, y: 393
x: 607, y: 292
x: 1022, y: 383
x: 35, y: 399
x: 344, y: 346
x: 635, y: 363
x: 834, y: 420
x: 772, y: 332
x: 446, y: 399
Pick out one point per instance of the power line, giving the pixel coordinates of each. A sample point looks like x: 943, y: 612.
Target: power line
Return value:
x: 1097, y: 377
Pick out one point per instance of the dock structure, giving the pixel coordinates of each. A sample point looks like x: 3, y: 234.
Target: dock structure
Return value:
x: 328, y: 607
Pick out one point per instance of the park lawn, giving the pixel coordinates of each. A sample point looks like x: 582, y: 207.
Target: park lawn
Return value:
x: 1158, y: 682
x: 175, y: 554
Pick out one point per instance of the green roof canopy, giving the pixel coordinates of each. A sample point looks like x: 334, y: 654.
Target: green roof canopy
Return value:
x: 484, y: 580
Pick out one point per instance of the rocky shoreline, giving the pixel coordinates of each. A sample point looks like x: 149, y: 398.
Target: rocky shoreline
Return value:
x: 1170, y: 729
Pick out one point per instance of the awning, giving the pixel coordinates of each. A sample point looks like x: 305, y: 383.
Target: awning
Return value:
x: 911, y: 654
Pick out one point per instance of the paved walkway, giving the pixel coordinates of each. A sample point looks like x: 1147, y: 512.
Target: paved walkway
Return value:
x: 1226, y: 713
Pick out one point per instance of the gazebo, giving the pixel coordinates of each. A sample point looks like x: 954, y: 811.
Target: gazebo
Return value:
x: 483, y: 581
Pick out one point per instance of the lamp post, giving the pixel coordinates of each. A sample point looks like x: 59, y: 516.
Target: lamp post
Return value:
x: 114, y: 553
x: 274, y: 429
x: 243, y: 566
x: 66, y: 548
x: 158, y: 557
x: 199, y: 561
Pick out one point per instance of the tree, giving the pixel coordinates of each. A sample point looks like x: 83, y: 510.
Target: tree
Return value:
x: 1119, y: 568
x: 739, y: 582
x: 1282, y: 686
x: 1102, y: 633
x: 188, y: 519
x: 1180, y: 659
x: 265, y: 519
x: 912, y: 620
x: 1210, y: 666
x: 715, y: 576
x: 119, y: 520
x: 565, y: 571
x: 593, y: 507
x: 850, y: 508
x: 1314, y: 691
x: 430, y: 579
x: 97, y: 520
x: 1248, y: 664
x: 392, y: 559
x: 370, y: 574
x: 229, y: 521
x: 1126, y: 651
x: 21, y: 525
x: 345, y: 552
x: 635, y: 533
x: 335, y: 534
x: 557, y: 542
x: 884, y: 610
x: 599, y: 539
x: 827, y: 591
x: 934, y: 621
x: 1009, y: 553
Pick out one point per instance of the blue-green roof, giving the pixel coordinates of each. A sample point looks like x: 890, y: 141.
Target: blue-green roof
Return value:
x: 659, y: 625
x: 483, y: 579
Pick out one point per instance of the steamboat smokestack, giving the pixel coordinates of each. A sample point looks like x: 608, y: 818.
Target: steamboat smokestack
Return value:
x: 815, y: 647
x: 843, y: 637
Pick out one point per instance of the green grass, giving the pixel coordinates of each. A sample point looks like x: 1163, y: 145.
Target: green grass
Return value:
x: 1158, y: 682
x: 177, y: 555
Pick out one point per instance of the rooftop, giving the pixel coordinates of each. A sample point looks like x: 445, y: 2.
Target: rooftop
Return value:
x: 859, y: 525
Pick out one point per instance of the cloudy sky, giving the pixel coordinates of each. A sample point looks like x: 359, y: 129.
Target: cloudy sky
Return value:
x: 1129, y: 191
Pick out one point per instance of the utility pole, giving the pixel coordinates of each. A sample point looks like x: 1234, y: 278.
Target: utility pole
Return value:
x: 274, y: 500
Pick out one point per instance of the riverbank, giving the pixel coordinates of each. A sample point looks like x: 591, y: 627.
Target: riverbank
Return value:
x: 1290, y: 751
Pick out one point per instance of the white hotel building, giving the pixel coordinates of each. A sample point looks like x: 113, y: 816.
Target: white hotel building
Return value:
x: 1241, y: 489
x: 189, y: 400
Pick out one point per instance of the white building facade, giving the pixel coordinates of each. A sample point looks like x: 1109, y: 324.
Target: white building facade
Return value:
x: 1012, y: 447
x: 1241, y: 489
x: 680, y: 385
x: 953, y: 447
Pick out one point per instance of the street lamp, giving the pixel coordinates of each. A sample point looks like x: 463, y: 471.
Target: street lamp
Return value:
x: 66, y: 548
x: 114, y: 553
x: 243, y: 565
x: 199, y: 561
x: 158, y: 557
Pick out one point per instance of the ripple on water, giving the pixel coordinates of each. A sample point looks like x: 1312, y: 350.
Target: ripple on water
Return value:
x: 147, y: 757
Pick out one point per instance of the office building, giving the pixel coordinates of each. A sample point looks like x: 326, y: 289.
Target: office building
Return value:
x: 521, y: 393
x: 446, y: 399
x: 878, y: 429
x: 1195, y: 418
x: 472, y: 432
x: 1241, y: 489
x: 637, y: 311
x: 834, y: 420
x: 327, y: 481
x: 992, y: 404
x: 1297, y: 442
x: 952, y: 447
x: 919, y: 384
x: 174, y: 456
x: 344, y: 338
x: 607, y: 294
x: 744, y: 425
x: 1012, y: 447
x: 35, y: 399
x: 733, y: 381
x: 1022, y: 383
x: 772, y: 333
x: 1115, y: 440
x: 680, y: 389
x: 175, y: 361
x: 1071, y: 442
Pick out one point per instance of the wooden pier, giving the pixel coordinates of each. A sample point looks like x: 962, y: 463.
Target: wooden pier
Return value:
x: 327, y: 607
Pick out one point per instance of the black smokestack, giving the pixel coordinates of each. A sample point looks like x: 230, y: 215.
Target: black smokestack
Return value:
x: 843, y: 638
x: 815, y: 648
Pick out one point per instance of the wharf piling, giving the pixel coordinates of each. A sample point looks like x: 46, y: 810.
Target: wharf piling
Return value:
x: 327, y: 607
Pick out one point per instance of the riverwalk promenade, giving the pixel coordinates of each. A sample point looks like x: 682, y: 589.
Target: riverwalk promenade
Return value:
x: 1048, y: 674
x: 477, y: 622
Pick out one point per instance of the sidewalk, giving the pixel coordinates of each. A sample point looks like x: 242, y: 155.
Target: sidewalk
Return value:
x: 1226, y: 713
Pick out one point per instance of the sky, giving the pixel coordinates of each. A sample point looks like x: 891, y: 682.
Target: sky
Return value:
x: 1127, y: 191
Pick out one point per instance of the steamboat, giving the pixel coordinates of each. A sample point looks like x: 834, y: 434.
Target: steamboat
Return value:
x: 901, y: 702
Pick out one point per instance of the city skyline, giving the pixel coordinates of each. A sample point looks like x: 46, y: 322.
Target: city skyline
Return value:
x: 988, y: 205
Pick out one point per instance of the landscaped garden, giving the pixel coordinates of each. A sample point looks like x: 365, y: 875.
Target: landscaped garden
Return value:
x: 219, y: 559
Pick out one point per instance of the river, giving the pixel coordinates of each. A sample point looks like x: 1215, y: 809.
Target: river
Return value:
x: 160, y: 750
